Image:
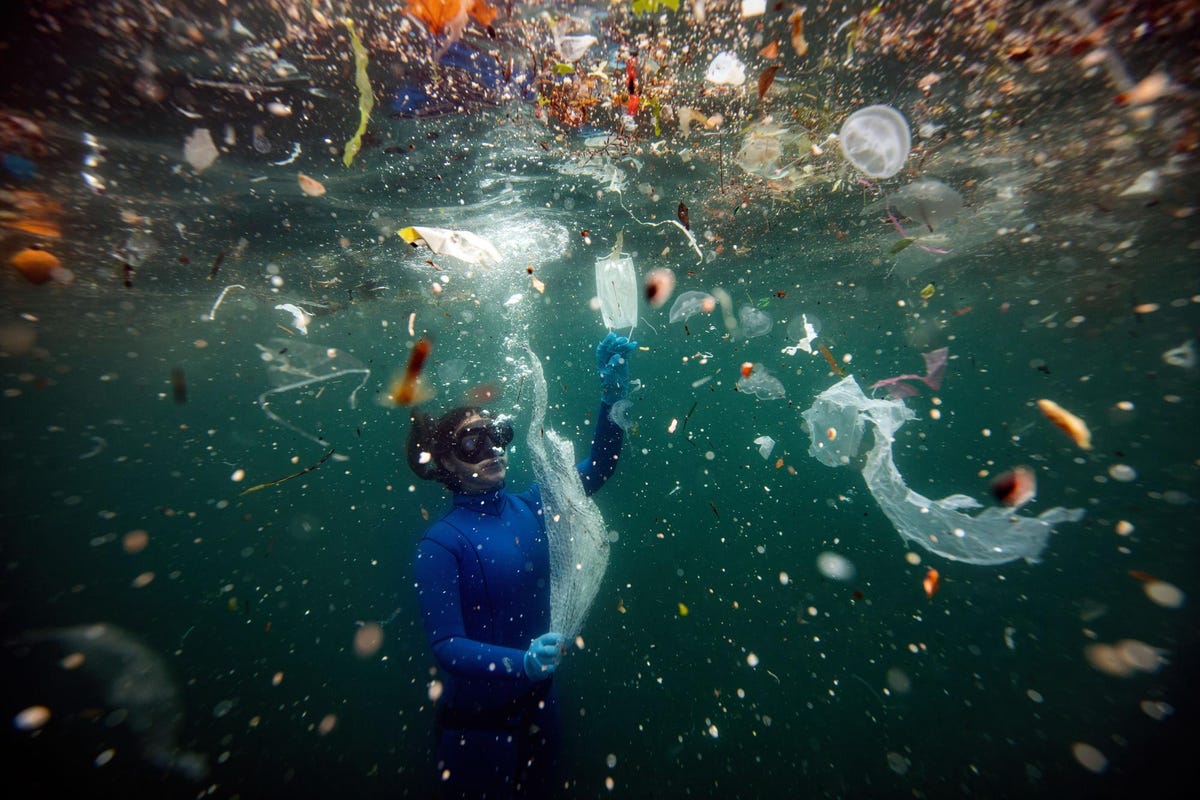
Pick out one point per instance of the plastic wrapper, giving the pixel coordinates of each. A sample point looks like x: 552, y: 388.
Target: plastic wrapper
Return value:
x: 464, y: 245
x: 836, y: 423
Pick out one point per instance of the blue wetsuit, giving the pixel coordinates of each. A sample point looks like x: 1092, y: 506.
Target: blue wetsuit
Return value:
x: 483, y: 579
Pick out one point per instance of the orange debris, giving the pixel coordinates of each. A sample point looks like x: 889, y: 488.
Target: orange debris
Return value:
x: 1067, y: 422
x: 439, y: 15
x: 37, y: 266
x: 931, y: 583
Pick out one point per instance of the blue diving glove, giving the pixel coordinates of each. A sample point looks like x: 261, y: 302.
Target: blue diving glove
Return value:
x: 612, y: 359
x: 543, y: 656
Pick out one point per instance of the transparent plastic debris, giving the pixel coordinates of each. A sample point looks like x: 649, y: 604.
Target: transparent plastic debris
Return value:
x: 1182, y: 356
x: 805, y: 332
x: 836, y: 422
x: 762, y: 384
x: 617, y: 288
x: 298, y: 372
x: 929, y: 202
x: 579, y: 540
x: 689, y: 304
x: 572, y: 47
x: 726, y: 70
x: 876, y: 140
x: 118, y: 673
x: 463, y: 245
x: 753, y: 322
x: 765, y: 445
x: 619, y: 414
x: 300, y: 317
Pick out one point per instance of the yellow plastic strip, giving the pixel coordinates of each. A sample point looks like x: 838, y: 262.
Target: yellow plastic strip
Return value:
x: 366, y: 98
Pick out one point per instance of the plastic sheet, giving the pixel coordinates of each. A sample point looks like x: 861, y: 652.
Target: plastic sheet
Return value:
x: 836, y: 422
x: 469, y: 247
x: 617, y: 288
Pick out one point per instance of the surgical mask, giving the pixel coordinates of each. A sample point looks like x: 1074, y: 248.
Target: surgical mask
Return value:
x: 481, y: 440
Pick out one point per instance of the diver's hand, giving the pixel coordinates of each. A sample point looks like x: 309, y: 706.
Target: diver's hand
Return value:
x: 544, y: 655
x: 612, y: 359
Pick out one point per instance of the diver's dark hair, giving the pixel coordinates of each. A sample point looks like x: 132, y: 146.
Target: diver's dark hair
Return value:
x: 437, y: 439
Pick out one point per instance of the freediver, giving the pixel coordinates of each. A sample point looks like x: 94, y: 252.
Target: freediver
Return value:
x: 483, y: 580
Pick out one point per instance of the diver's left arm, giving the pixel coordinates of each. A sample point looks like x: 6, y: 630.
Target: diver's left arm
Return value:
x: 612, y: 361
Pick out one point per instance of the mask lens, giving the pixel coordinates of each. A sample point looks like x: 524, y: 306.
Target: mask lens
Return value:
x: 478, y: 442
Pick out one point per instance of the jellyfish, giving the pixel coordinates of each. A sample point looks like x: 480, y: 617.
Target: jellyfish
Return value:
x: 876, y: 139
x: 929, y: 202
x: 753, y: 322
x: 761, y: 384
x: 691, y: 303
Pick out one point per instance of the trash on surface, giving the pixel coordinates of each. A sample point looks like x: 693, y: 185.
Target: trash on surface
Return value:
x: 726, y: 70
x: 876, y: 139
x: 994, y: 536
x: 464, y: 245
x: 796, y: 27
x: 366, y: 97
x: 691, y: 303
x: 935, y: 371
x: 572, y: 47
x: 616, y: 286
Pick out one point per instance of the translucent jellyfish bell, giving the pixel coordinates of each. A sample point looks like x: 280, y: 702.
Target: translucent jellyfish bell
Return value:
x: 929, y: 202
x: 761, y: 384
x: 691, y: 303
x: 753, y: 322
x: 876, y: 139
x: 760, y: 154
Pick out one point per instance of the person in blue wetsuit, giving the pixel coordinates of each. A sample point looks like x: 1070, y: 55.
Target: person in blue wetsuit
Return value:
x: 483, y: 580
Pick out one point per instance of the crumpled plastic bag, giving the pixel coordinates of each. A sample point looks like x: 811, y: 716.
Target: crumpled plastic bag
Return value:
x: 836, y: 422
x: 469, y: 247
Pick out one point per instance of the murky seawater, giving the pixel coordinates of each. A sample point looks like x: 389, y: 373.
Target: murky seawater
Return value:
x: 205, y: 332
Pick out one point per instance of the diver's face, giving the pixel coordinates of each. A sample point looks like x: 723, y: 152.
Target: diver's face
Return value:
x: 477, y: 458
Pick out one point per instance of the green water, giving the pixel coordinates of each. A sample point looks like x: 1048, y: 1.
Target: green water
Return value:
x: 717, y: 660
